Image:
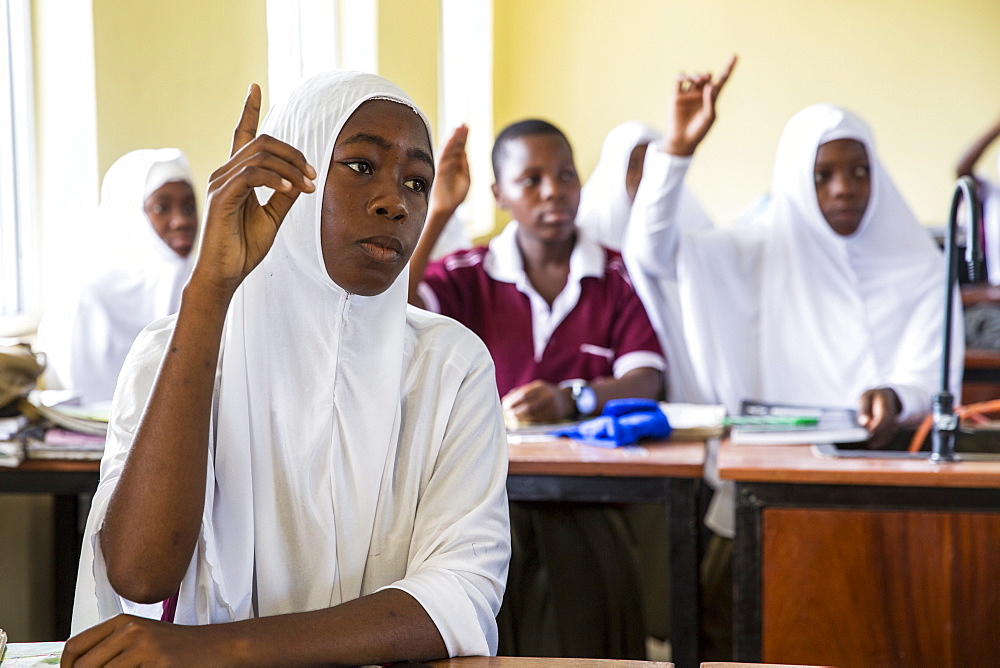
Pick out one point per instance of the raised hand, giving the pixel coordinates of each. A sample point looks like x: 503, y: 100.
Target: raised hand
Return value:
x: 238, y: 229
x: 691, y: 111
x: 451, y: 182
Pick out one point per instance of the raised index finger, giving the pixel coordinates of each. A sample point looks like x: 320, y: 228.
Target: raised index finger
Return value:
x: 727, y: 70
x: 246, y: 128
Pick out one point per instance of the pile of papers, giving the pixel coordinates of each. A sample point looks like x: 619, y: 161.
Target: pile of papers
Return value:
x: 11, y: 450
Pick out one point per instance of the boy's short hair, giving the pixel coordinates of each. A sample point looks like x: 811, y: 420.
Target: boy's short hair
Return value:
x: 525, y: 128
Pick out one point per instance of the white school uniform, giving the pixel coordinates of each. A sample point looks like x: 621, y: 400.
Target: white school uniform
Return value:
x: 356, y: 443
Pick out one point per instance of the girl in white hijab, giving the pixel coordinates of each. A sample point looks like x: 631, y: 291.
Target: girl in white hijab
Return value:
x: 606, y: 203
x: 133, y: 274
x: 312, y: 460
x: 835, y: 300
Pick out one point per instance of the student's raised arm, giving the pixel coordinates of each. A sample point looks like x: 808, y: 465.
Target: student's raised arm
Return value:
x: 451, y: 186
x: 154, y: 514
x: 653, y: 230
x: 691, y: 112
x: 967, y: 163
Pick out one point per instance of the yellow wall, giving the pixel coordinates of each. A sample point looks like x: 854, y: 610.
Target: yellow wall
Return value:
x: 408, y: 36
x: 175, y: 74
x: 924, y: 73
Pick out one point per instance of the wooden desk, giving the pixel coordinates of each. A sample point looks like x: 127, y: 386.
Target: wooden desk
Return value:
x: 557, y: 470
x: 530, y: 662
x: 67, y: 482
x: 665, y: 472
x: 861, y: 562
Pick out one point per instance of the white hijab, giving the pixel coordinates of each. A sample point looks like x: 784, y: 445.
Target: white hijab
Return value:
x: 126, y: 278
x: 605, y: 209
x: 792, y: 312
x: 991, y: 225
x: 301, y: 343
x: 357, y: 443
x: 604, y: 201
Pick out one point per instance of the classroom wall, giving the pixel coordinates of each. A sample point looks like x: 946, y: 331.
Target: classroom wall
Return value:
x: 175, y: 74
x: 922, y: 72
x: 409, y: 32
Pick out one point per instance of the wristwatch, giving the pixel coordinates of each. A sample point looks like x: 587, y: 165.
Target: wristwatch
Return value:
x: 583, y: 395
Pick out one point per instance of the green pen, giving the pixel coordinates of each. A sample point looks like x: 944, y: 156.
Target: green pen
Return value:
x: 783, y: 420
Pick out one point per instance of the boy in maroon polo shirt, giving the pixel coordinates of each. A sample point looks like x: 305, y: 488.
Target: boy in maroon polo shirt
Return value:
x: 567, y: 333
x: 553, y: 307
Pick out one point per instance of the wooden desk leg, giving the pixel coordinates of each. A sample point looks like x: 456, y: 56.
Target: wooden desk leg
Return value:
x: 685, y: 552
x: 746, y: 577
x: 66, y: 546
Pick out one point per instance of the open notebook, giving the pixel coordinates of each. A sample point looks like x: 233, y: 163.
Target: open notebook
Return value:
x: 783, y: 424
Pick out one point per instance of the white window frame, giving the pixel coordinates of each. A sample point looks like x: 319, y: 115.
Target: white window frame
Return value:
x: 465, y: 95
x: 306, y: 37
x: 19, y: 264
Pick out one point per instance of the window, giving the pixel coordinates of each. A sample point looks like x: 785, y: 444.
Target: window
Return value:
x: 19, y: 271
x: 305, y: 37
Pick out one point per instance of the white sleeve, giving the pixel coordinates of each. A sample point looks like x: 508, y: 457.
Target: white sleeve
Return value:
x: 460, y: 548
x: 917, y: 374
x: 96, y: 600
x: 653, y: 232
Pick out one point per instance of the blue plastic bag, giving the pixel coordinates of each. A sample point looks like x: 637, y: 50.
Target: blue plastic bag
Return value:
x: 622, y: 422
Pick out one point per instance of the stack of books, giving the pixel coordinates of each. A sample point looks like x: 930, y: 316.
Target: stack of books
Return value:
x: 11, y: 448
x: 68, y: 432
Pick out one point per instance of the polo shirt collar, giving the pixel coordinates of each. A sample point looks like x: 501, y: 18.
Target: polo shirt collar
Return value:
x: 504, y: 261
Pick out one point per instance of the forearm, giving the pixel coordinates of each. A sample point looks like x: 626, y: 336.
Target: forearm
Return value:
x: 967, y: 162
x: 653, y: 233
x: 643, y: 383
x: 154, y: 515
x: 437, y: 218
x: 387, y: 626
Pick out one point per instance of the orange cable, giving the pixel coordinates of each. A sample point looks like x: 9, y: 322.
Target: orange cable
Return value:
x: 920, y: 435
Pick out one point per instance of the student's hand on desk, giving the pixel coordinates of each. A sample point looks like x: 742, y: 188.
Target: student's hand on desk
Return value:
x: 239, y: 231
x: 134, y: 641
x: 691, y: 112
x: 538, y: 401
x: 878, y: 413
x: 452, y: 178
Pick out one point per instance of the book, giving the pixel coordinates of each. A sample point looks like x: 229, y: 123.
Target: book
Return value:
x: 85, y: 420
x: 694, y: 422
x: 21, y: 654
x: 11, y: 452
x: 784, y: 424
x: 58, y: 443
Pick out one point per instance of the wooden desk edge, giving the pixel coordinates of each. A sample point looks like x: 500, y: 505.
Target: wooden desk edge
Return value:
x: 565, y: 457
x: 800, y: 464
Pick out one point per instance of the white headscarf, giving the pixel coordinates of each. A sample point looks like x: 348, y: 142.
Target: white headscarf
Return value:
x: 357, y: 443
x: 605, y: 209
x: 604, y: 201
x: 295, y: 337
x: 991, y: 225
x: 793, y: 312
x: 126, y: 278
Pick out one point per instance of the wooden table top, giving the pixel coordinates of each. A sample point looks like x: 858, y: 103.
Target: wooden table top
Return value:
x: 974, y: 293
x: 563, y: 456
x: 531, y: 662
x: 558, y: 456
x: 57, y: 465
x: 802, y: 464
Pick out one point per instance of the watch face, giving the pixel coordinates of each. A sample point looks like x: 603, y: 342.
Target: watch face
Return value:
x: 586, y: 402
